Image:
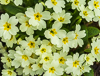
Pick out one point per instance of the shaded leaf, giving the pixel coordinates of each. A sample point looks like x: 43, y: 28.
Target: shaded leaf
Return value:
x: 92, y: 31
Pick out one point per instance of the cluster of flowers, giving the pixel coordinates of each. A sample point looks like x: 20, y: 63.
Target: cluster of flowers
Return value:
x: 89, y: 12
x: 49, y: 56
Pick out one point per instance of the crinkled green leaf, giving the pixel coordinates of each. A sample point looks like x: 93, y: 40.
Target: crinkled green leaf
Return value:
x: 12, y: 9
x: 92, y: 31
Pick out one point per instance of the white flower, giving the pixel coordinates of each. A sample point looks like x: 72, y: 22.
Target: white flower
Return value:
x: 43, y: 49
x: 46, y: 58
x: 67, y: 40
x: 8, y: 72
x: 53, y: 69
x: 84, y: 68
x: 86, y: 13
x: 29, y: 44
x: 6, y: 59
x: 22, y: 58
x: 5, y: 2
x: 89, y: 59
x: 96, y: 49
x: 61, y: 58
x: 18, y: 2
x: 57, y: 5
x: 95, y: 5
x: 10, y: 42
x: 37, y: 16
x: 79, y: 34
x: 25, y: 26
x: 28, y: 70
x: 63, y: 18
x: 38, y: 67
x: 54, y: 34
x: 77, y: 3
x: 74, y: 64
x: 97, y: 18
x: 7, y: 26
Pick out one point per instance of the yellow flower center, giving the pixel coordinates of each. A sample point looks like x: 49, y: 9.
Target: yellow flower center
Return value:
x: 85, y: 13
x: 9, y: 73
x: 61, y: 60
x: 40, y: 65
x: 30, y: 66
x: 50, y: 44
x: 52, y: 70
x: 7, y: 26
x: 54, y: 2
x: 31, y: 44
x: 46, y: 58
x: 96, y: 4
x: 24, y: 57
x: 76, y: 36
x: 75, y: 63
x: 87, y: 58
x: 61, y: 19
x: 37, y: 16
x: 32, y: 55
x: 65, y: 40
x: 43, y: 50
x: 76, y: 2
x: 53, y: 32
x: 27, y: 24
x: 96, y: 50
x: 8, y: 59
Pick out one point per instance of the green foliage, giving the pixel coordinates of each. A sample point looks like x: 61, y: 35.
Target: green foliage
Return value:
x: 92, y: 31
x: 91, y: 73
x: 12, y: 9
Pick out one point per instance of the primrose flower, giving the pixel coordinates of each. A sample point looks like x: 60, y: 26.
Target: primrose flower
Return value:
x: 22, y: 58
x: 96, y: 49
x: 67, y: 39
x: 97, y: 18
x: 54, y: 34
x: 53, y: 69
x: 63, y: 18
x: 38, y: 67
x: 43, y: 49
x: 61, y: 58
x: 6, y: 59
x: 28, y: 70
x: 7, y: 26
x: 95, y: 5
x: 37, y: 16
x: 74, y: 63
x: 8, y: 72
x: 86, y: 13
x: 77, y: 3
x: 25, y: 26
x: 29, y: 44
x: 10, y: 42
x: 5, y: 2
x: 57, y: 5
x: 89, y: 59
x: 46, y: 58
x: 18, y: 2
x: 78, y: 35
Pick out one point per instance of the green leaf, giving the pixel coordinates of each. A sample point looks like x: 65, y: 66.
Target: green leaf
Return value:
x: 92, y: 31
x: 12, y: 9
x: 88, y: 50
x: 91, y: 73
